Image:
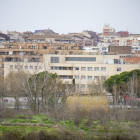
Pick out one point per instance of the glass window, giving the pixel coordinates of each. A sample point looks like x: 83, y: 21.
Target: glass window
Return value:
x: 44, y: 47
x: 81, y: 58
x: 54, y: 59
x: 83, y: 77
x: 96, y: 68
x: 26, y: 67
x: 59, y: 47
x: 83, y: 86
x: 70, y: 77
x: 16, y: 67
x: 31, y: 67
x: 11, y: 66
x: 65, y: 77
x: 89, y: 68
x: 36, y: 67
x: 103, y: 69
x: 76, y: 76
x: 89, y: 86
x: 21, y: 67
x: 103, y: 77
x: 118, y: 69
x: 76, y: 68
x: 89, y: 77
x: 76, y: 85
x: 96, y: 77
x: 83, y: 68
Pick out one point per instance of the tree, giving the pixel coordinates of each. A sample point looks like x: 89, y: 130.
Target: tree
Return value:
x: 122, y: 82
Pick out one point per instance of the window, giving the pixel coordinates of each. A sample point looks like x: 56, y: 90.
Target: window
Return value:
x: 89, y: 68
x: 2, y: 66
x: 83, y: 68
x: 89, y: 77
x: 118, y: 69
x: 83, y: 77
x: 44, y: 47
x: 96, y: 68
x: 31, y: 67
x: 54, y: 59
x: 21, y: 67
x: 76, y: 76
x: 2, y: 72
x: 26, y: 67
x: 59, y: 47
x: 65, y: 77
x: 76, y: 85
x: 11, y: 66
x: 103, y: 69
x: 81, y: 58
x: 66, y: 48
x: 35, y: 67
x: 6, y: 53
x: 89, y: 86
x: 83, y: 86
x: 76, y: 68
x: 52, y: 47
x: 96, y: 77
x: 103, y: 48
x: 103, y: 77
x: 16, y: 67
x: 70, y: 77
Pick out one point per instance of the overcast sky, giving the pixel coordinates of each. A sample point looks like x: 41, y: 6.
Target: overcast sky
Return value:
x: 65, y: 16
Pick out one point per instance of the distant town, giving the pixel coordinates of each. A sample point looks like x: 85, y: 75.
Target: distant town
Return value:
x: 82, y: 56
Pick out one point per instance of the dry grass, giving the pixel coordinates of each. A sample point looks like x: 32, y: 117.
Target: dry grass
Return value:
x: 87, y: 103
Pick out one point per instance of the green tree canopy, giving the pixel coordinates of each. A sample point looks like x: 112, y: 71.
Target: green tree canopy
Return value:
x: 120, y: 79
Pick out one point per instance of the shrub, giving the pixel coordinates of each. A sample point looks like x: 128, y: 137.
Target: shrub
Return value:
x: 86, y: 103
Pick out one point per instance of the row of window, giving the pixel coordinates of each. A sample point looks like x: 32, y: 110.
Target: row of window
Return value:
x: 88, y: 86
x: 61, y: 68
x: 58, y: 47
x: 82, y: 68
x: 81, y: 59
x: 25, y: 67
x: 91, y: 77
x: 77, y: 68
x: 82, y: 77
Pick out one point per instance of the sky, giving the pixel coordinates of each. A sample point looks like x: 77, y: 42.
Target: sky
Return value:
x: 66, y: 16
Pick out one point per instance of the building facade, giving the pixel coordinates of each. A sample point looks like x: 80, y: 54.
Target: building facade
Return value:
x: 83, y: 68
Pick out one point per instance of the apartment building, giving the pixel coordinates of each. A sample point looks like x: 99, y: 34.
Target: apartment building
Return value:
x: 93, y: 35
x: 16, y: 52
x: 83, y: 68
x: 5, y: 36
x: 45, y: 32
x: 50, y: 39
x: 108, y: 29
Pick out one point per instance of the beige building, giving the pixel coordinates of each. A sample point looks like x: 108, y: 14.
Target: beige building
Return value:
x: 83, y: 68
x: 108, y: 29
x: 126, y: 41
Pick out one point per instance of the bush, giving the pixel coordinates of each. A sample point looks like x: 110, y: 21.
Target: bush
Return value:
x: 86, y: 103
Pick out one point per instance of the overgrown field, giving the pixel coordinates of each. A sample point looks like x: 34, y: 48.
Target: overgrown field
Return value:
x: 21, y: 127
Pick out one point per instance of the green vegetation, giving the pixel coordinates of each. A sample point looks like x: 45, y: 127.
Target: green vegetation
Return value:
x: 121, y: 80
x: 88, y: 129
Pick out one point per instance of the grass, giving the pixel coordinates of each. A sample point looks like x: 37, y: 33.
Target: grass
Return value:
x: 42, y: 122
